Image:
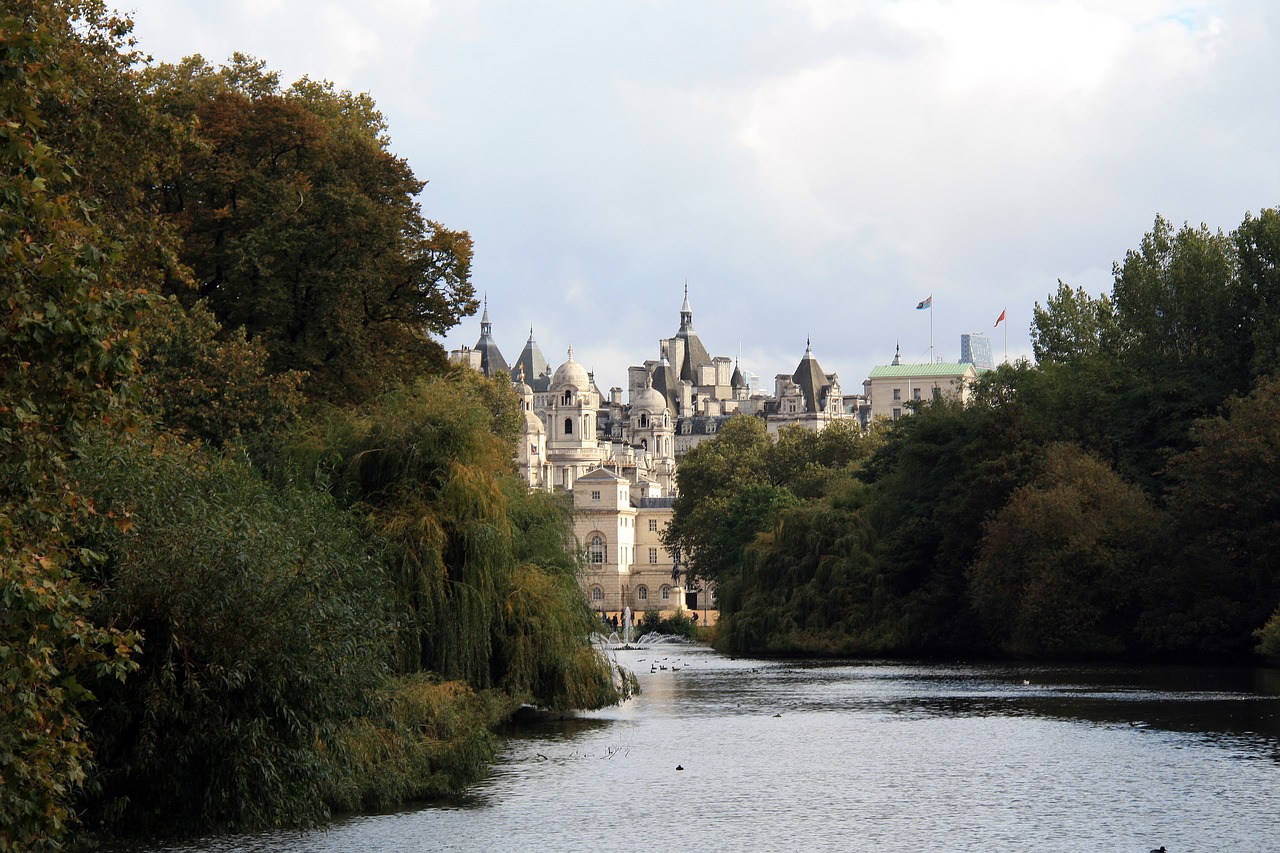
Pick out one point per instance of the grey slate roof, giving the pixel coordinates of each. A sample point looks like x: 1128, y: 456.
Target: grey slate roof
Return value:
x: 811, y: 379
x: 491, y: 361
x: 666, y: 383
x: 537, y: 372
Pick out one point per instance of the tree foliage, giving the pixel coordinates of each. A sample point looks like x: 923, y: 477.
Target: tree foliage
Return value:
x: 1063, y: 564
x: 485, y: 590
x: 302, y: 228
x: 65, y: 358
x: 264, y: 623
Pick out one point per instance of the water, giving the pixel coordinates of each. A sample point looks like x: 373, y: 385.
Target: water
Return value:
x: 869, y: 757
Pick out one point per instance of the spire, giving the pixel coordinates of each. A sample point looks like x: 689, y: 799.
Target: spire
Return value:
x: 897, y: 353
x: 686, y: 313
x: 491, y: 361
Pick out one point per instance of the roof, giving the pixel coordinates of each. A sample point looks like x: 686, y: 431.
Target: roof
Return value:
x: 534, y: 364
x: 811, y: 379
x: 600, y: 474
x: 923, y: 371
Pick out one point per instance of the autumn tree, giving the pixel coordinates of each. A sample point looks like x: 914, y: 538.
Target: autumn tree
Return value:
x: 302, y: 228
x: 65, y: 362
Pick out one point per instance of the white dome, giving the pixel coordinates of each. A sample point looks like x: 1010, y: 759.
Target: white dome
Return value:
x: 532, y: 425
x: 572, y: 374
x: 650, y: 399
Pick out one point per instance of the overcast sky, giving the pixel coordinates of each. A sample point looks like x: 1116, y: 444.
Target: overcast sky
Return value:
x: 813, y: 169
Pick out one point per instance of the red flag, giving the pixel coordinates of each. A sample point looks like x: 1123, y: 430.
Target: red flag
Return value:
x: 1000, y: 319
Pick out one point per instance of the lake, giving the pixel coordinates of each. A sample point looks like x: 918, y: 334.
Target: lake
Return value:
x: 868, y: 756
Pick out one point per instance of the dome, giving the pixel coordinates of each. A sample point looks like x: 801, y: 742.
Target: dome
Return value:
x: 650, y: 399
x: 532, y: 425
x: 571, y: 373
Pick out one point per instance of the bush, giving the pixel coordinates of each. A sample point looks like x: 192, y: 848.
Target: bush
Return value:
x: 264, y: 629
x: 677, y: 624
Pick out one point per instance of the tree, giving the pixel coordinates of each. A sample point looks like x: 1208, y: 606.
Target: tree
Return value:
x: 1061, y: 567
x: 1224, y: 498
x: 1257, y: 243
x: 1072, y: 327
x: 302, y: 228
x: 65, y: 361
x: 710, y: 475
x: 210, y: 385
x: 483, y: 577
x: 265, y: 626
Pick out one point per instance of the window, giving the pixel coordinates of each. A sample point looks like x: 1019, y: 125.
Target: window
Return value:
x: 653, y: 556
x: 568, y: 426
x: 597, y: 550
x: 666, y: 592
x: 597, y: 594
x: 897, y: 413
x: 595, y: 494
x: 915, y: 393
x: 642, y: 593
x: 644, y: 421
x: 653, y: 525
x: 567, y: 399
x: 897, y: 393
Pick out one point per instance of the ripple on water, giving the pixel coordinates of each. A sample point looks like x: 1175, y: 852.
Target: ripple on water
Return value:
x: 866, y: 757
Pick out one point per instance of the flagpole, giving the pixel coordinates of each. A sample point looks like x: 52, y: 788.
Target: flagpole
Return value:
x: 931, y: 356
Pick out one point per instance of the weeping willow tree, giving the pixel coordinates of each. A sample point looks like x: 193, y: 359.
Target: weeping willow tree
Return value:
x: 484, y: 573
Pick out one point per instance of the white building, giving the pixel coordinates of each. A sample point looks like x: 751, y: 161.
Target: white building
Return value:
x: 891, y: 386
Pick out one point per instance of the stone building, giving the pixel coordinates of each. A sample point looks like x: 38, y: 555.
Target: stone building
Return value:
x: 619, y: 457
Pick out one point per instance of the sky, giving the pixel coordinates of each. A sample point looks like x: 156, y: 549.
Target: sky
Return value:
x: 811, y: 169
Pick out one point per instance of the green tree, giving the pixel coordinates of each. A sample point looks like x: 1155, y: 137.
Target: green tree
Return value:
x: 1072, y: 327
x: 265, y: 627
x: 710, y: 476
x: 1061, y: 567
x: 1258, y: 252
x: 1224, y: 581
x: 302, y: 228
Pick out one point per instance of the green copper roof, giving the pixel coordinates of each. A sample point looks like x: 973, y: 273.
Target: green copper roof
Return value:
x: 891, y: 371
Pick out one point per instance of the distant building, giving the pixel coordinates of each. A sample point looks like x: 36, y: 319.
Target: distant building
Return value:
x: 891, y: 386
x: 975, y: 349
x: 619, y: 458
x: 619, y: 525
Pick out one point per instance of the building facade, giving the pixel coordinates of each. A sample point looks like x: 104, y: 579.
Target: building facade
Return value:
x: 619, y: 457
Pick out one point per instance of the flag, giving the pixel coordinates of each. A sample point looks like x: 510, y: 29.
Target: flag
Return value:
x: 533, y: 449
x: 925, y: 303
x: 1000, y: 319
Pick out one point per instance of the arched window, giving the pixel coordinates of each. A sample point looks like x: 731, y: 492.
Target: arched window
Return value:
x: 644, y: 421
x: 666, y: 593
x: 596, y: 550
x: 568, y: 426
x: 642, y: 593
x: 597, y: 594
x: 567, y: 399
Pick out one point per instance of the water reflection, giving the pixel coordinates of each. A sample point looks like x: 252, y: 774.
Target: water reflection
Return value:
x: 878, y: 756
